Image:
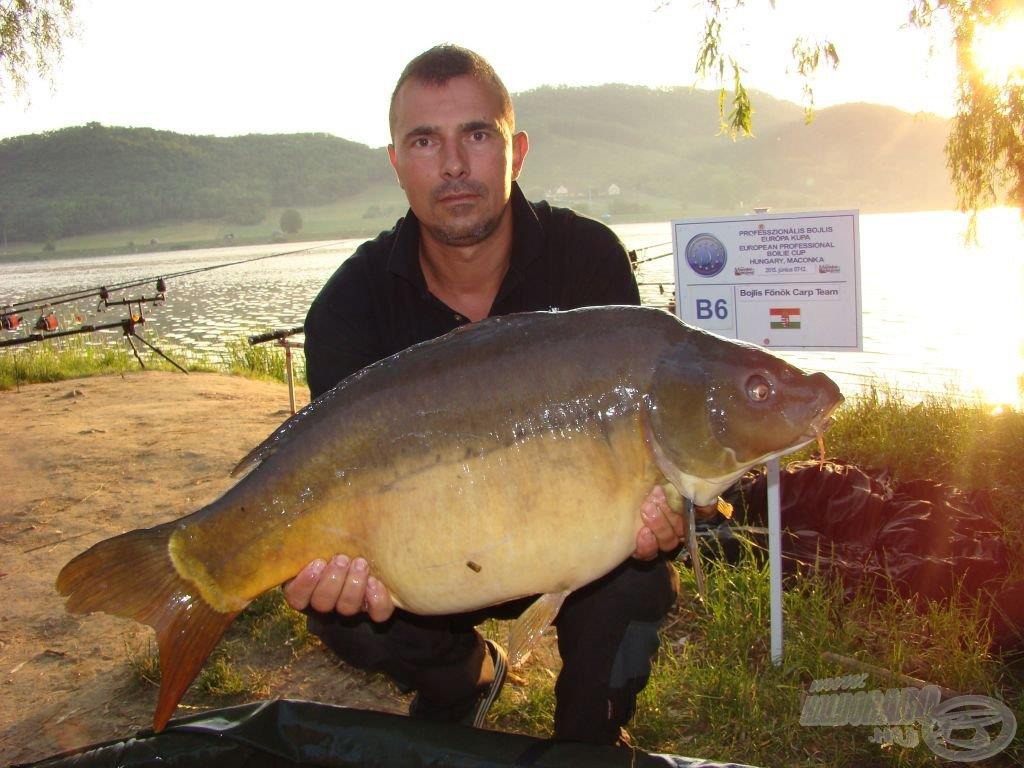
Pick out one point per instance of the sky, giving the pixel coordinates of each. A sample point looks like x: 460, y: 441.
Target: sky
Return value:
x: 230, y: 67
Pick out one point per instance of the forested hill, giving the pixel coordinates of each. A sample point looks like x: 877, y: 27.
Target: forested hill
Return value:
x: 666, y: 144
x: 660, y: 149
x: 92, y: 178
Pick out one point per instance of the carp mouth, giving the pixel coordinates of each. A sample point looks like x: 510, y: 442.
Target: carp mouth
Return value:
x: 816, y: 429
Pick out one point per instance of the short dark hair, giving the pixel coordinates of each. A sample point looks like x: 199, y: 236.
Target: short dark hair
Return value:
x: 440, y: 64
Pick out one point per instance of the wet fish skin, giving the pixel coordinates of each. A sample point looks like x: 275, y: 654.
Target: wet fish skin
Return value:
x: 522, y: 444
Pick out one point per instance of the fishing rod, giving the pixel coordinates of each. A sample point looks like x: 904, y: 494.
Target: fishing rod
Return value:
x: 127, y: 326
x: 646, y: 259
x: 103, y: 292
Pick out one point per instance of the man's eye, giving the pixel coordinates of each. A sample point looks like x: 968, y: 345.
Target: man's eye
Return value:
x: 421, y: 142
x: 479, y: 135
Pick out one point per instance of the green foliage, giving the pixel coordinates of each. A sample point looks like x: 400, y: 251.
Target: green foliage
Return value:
x: 31, y: 38
x: 291, y: 221
x: 93, y: 178
x: 967, y: 444
x: 985, y: 148
x: 265, y: 361
x: 73, y: 357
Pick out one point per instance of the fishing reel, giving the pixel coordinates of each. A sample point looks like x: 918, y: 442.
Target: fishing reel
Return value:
x: 10, y: 321
x: 106, y: 302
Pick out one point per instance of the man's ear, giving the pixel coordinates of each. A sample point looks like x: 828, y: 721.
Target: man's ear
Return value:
x: 394, y: 163
x: 520, y: 146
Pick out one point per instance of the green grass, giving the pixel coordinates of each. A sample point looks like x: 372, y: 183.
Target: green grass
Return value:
x: 73, y: 357
x: 267, y: 633
x: 714, y: 692
x: 262, y: 361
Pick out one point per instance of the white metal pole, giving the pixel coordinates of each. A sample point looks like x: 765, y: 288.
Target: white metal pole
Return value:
x: 775, y: 558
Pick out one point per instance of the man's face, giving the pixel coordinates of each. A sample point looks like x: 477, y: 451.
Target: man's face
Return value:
x: 454, y: 157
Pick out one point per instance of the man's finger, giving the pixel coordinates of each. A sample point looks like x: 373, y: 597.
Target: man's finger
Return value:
x: 298, y: 591
x: 646, y: 545
x: 378, y: 600
x: 660, y: 526
x: 328, y: 589
x: 676, y: 520
x: 353, y: 592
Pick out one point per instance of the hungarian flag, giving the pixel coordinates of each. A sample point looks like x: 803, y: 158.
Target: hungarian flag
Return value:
x: 784, y: 317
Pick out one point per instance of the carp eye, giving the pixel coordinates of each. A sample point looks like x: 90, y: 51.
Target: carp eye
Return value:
x: 758, y: 389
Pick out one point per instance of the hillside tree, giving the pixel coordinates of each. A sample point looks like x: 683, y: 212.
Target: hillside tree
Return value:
x: 32, y: 35
x: 291, y: 221
x: 985, y: 149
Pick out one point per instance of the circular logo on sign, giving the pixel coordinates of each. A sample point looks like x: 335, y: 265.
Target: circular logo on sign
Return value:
x: 706, y: 255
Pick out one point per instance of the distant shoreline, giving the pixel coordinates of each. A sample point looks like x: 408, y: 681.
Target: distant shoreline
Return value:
x: 116, y: 245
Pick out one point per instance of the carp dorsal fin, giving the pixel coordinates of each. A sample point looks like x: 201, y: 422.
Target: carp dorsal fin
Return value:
x: 529, y: 627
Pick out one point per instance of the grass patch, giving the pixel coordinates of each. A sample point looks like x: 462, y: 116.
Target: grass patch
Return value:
x: 73, y: 357
x: 714, y: 692
x: 951, y: 440
x: 265, y: 635
x: 265, y: 361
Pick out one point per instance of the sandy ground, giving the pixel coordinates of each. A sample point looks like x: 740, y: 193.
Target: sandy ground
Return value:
x: 87, y: 459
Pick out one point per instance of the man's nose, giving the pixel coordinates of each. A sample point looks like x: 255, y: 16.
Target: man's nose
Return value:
x: 453, y: 160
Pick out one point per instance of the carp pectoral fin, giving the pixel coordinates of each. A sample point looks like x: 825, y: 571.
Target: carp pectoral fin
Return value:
x: 529, y: 627
x: 132, y: 576
x: 694, y: 551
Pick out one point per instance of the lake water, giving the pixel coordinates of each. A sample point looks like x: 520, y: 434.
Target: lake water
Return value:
x: 939, y: 315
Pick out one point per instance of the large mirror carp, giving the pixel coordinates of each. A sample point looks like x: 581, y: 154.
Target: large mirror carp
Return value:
x: 505, y: 459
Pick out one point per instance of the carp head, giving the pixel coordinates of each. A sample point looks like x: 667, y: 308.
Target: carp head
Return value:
x: 717, y: 407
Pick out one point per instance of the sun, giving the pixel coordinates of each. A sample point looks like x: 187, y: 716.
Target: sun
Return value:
x: 998, y: 51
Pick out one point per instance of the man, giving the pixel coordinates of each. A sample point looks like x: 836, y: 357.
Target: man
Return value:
x: 470, y: 247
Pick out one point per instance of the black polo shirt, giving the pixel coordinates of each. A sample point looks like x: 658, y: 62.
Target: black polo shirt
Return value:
x: 377, y: 302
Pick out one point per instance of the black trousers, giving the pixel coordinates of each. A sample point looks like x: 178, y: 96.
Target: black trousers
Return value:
x: 607, y: 638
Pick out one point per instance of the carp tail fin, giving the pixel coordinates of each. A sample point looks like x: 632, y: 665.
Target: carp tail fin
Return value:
x: 132, y: 575
x: 530, y: 625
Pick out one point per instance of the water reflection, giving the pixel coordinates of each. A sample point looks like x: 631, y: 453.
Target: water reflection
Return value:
x: 937, y: 313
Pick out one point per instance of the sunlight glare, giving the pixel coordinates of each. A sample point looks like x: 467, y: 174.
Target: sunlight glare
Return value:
x: 998, y: 51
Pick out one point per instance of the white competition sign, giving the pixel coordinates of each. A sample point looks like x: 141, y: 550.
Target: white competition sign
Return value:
x: 780, y: 280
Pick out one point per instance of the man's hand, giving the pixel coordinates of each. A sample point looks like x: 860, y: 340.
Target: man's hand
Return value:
x: 664, y: 527
x: 342, y: 586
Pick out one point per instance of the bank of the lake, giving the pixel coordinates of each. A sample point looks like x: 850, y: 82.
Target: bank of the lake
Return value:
x: 98, y: 456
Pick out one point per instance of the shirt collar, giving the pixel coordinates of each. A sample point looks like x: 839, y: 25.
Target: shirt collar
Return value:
x: 527, y: 244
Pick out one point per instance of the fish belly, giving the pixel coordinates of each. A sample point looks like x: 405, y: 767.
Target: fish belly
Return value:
x: 547, y: 514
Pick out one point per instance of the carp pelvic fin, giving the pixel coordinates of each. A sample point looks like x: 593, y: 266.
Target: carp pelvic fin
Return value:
x: 132, y: 576
x: 529, y: 627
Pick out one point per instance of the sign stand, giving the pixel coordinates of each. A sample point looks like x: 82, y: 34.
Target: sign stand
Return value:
x: 775, y: 559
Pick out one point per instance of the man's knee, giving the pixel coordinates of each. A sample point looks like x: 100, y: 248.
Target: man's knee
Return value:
x: 647, y: 591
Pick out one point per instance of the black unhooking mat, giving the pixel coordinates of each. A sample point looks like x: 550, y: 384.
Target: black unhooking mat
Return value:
x: 302, y: 733
x: 927, y: 540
